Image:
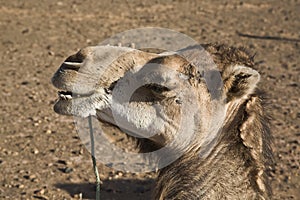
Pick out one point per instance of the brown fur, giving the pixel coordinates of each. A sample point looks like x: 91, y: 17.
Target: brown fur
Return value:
x: 235, y: 169
x: 237, y: 164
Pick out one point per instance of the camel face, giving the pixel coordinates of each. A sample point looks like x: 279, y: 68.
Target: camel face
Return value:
x: 151, y: 95
x: 141, y: 93
x: 213, y: 116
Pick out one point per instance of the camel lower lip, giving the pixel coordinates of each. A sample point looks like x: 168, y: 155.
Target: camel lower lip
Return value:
x: 62, y: 106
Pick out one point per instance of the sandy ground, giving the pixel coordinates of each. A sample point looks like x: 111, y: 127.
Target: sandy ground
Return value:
x: 41, y: 155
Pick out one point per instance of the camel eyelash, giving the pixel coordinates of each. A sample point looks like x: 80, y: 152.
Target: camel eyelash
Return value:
x: 157, y: 88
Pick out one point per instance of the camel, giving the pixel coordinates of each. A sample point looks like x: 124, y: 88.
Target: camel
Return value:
x: 229, y: 161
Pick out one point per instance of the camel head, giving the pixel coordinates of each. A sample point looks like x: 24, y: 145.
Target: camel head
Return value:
x: 153, y: 95
x: 200, y: 101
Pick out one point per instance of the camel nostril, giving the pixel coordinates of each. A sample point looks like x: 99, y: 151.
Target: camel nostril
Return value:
x: 75, y: 61
x: 76, y: 58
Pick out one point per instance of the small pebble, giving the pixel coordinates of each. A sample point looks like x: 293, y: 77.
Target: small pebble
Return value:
x: 49, y: 164
x: 120, y: 173
x: 78, y: 196
x: 32, y: 176
x: 81, y: 151
x: 26, y: 30
x: 24, y: 82
x: 39, y: 192
x: 26, y: 176
x: 67, y: 170
x: 62, y: 162
x: 43, y: 197
x: 35, y: 180
x: 51, y: 53
x: 34, y: 151
x: 116, y: 176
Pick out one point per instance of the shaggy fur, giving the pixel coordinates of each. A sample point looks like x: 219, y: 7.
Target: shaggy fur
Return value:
x: 236, y: 166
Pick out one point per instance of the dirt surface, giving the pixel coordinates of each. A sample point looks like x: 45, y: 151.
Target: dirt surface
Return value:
x: 41, y: 155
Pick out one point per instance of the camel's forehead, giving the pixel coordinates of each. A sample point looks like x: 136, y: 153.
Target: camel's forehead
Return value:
x: 169, y: 63
x: 164, y: 66
x: 171, y: 60
x: 114, y: 57
x: 116, y: 62
x: 104, y: 54
x: 110, y: 63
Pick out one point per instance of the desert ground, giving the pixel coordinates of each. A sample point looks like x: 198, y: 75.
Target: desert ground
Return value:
x: 41, y: 155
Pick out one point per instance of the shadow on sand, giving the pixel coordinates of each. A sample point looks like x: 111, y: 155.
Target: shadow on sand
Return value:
x: 118, y: 189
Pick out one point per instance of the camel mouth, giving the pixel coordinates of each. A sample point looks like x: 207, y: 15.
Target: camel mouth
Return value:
x: 77, y: 104
x: 68, y: 95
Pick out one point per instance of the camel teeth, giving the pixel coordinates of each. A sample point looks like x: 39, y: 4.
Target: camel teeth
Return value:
x: 62, y: 96
x: 68, y: 96
x: 65, y: 97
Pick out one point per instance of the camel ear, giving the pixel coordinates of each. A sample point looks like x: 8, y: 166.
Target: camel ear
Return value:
x: 239, y: 81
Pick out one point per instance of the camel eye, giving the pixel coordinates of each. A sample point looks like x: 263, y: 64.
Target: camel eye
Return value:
x: 112, y: 86
x: 149, y: 93
x: 157, y: 88
x: 178, y: 101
